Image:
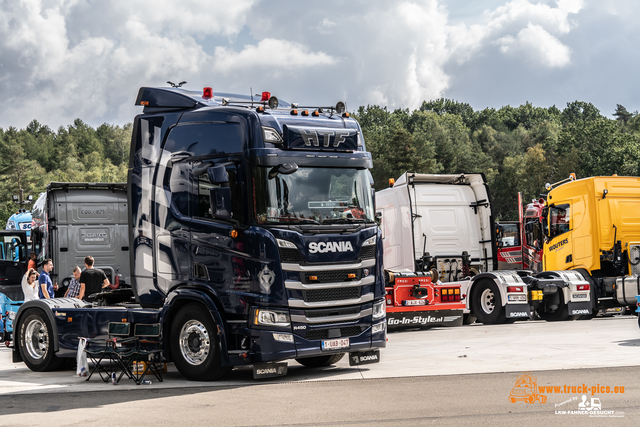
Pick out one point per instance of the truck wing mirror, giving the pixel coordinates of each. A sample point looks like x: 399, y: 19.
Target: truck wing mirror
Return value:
x: 284, y: 169
x: 218, y: 175
x: 378, y: 218
x: 220, y: 200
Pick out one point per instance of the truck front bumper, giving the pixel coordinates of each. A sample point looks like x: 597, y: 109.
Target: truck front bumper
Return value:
x: 268, y: 346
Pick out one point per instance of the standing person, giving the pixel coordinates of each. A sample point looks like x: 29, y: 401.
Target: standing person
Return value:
x: 44, y: 281
x: 92, y: 280
x: 73, y: 291
x: 30, y: 286
x: 32, y: 261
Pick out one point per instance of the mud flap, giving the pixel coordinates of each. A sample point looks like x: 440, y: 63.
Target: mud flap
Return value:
x: 579, y: 308
x: 423, y: 319
x: 270, y: 370
x: 364, y: 357
x: 517, y: 311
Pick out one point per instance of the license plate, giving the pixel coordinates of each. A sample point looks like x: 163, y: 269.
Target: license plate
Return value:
x: 335, y: 344
x: 517, y: 297
x: 415, y: 302
x: 576, y: 296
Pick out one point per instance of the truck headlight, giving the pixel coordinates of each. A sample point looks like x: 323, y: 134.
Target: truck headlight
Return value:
x: 378, y: 327
x: 268, y: 317
x: 286, y: 244
x: 11, y: 225
x: 379, y: 310
x: 11, y: 315
x: 370, y: 241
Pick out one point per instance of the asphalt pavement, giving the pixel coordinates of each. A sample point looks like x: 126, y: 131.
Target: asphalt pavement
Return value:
x: 446, y: 376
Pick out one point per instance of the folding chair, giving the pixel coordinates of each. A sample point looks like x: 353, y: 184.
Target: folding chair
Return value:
x: 113, y: 350
x: 147, y: 350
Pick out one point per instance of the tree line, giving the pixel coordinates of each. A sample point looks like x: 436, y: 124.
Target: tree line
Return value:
x: 517, y: 148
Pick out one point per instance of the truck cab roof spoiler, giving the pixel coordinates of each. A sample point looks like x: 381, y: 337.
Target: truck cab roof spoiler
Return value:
x: 113, y: 186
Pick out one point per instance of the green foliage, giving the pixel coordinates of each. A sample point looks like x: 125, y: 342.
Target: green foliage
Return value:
x: 30, y: 158
x: 519, y: 149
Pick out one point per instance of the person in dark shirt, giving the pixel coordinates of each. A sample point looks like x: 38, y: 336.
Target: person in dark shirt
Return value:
x: 92, y: 280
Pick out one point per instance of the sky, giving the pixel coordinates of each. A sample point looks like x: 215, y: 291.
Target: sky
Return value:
x: 67, y: 59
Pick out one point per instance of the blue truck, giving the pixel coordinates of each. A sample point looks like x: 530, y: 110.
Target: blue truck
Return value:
x: 21, y: 220
x: 251, y: 237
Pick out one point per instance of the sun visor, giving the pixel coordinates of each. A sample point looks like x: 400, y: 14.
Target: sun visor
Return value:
x: 320, y: 138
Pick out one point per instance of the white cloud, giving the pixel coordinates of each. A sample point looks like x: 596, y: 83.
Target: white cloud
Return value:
x: 537, y: 46
x: 270, y: 54
x: 65, y: 59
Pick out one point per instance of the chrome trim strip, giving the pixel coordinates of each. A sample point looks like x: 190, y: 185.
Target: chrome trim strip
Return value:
x: 325, y: 304
x: 294, y: 284
x: 347, y: 318
x: 328, y: 267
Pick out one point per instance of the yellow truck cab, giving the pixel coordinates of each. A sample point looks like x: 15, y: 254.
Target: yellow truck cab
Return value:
x: 592, y: 225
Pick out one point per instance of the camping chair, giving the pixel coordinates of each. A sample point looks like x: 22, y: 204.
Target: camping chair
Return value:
x: 148, y: 351
x: 113, y: 350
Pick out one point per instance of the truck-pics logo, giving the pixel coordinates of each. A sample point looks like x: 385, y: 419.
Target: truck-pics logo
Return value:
x: 558, y: 245
x: 526, y: 390
x: 322, y: 247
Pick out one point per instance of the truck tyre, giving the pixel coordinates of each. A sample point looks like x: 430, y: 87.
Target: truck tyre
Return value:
x: 318, y: 361
x: 486, y: 303
x: 36, y: 342
x: 561, y: 313
x: 194, y: 344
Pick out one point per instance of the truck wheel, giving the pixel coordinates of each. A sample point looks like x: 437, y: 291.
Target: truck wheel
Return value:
x: 194, y: 345
x: 318, y: 361
x: 561, y: 313
x: 486, y: 303
x: 36, y: 342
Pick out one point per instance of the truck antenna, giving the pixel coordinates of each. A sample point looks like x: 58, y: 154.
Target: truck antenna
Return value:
x: 251, y: 93
x: 177, y: 84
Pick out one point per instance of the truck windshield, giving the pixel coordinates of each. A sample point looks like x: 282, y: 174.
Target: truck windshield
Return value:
x: 312, y: 196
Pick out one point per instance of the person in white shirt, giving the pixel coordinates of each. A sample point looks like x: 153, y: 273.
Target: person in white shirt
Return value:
x: 30, y: 285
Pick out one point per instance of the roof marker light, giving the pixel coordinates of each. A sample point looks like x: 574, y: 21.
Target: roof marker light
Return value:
x: 265, y: 96
x: 315, y: 113
x: 207, y: 93
x: 260, y: 109
x: 305, y: 113
x: 294, y: 112
x: 346, y: 115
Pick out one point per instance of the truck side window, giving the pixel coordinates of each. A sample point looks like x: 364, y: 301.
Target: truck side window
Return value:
x: 201, y: 139
x: 203, y: 204
x: 559, y: 220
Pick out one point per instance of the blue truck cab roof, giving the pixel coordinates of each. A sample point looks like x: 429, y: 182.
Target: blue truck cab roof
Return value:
x: 20, y: 220
x: 268, y: 126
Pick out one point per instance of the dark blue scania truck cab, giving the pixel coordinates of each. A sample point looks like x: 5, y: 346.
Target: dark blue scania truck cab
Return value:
x: 252, y: 241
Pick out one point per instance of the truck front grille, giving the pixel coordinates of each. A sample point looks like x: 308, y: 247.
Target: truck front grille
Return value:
x: 323, y: 334
x: 291, y: 256
x: 368, y: 252
x: 328, y: 312
x: 332, y: 276
x: 333, y: 294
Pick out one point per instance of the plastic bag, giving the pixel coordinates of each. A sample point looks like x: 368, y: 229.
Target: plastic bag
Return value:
x: 83, y: 367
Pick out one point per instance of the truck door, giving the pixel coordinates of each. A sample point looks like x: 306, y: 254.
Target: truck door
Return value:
x: 558, y: 253
x: 13, y: 262
x: 532, y: 245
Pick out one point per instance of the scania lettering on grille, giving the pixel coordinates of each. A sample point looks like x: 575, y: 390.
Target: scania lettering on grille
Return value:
x: 322, y: 247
